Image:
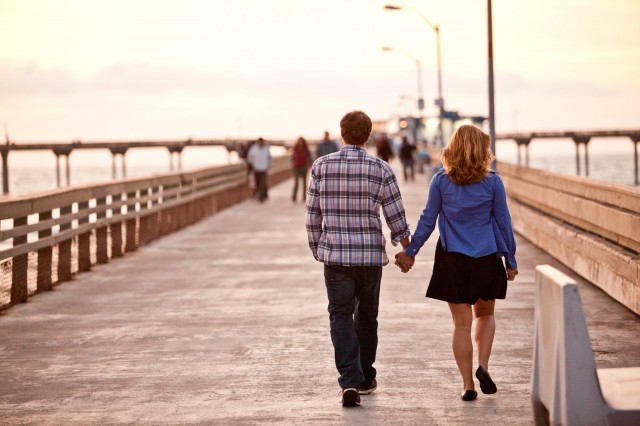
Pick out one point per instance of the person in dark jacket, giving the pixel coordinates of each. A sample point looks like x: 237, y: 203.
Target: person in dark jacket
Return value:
x: 407, y: 156
x: 327, y: 146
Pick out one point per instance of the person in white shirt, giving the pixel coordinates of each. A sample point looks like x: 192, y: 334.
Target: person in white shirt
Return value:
x: 259, y: 158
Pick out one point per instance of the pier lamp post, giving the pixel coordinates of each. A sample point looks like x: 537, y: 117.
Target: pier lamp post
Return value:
x: 492, y: 118
x: 419, y: 69
x: 435, y: 27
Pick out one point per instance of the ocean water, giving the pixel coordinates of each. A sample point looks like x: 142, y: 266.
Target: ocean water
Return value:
x: 35, y: 171
x: 610, y: 160
x: 615, y: 168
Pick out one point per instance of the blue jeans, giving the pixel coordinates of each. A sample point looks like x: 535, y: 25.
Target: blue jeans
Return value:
x: 354, y: 293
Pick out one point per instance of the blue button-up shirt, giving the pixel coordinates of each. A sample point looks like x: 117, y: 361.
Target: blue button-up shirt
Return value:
x: 346, y: 192
x: 473, y: 219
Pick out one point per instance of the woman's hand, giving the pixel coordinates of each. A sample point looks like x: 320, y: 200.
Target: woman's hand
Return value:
x: 511, y: 274
x: 404, y: 262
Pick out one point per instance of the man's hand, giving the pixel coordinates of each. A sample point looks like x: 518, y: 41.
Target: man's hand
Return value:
x: 511, y: 274
x: 404, y: 262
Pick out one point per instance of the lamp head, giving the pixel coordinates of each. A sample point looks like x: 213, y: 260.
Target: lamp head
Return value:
x: 392, y: 7
x: 387, y: 49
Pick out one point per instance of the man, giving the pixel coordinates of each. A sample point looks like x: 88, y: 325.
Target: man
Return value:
x: 346, y: 191
x: 407, y: 156
x: 259, y: 158
x: 327, y: 146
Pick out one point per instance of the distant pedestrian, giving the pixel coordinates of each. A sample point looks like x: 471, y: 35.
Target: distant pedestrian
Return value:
x: 301, y: 160
x: 383, y: 148
x: 470, y: 204
x: 347, y: 191
x: 259, y: 157
x: 407, y: 156
x: 326, y: 146
x: 243, y: 152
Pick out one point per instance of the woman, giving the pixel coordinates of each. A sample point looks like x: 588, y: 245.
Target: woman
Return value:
x: 383, y: 148
x: 301, y: 159
x: 470, y: 203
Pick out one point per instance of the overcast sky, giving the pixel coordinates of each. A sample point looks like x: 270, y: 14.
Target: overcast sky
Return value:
x: 166, y: 69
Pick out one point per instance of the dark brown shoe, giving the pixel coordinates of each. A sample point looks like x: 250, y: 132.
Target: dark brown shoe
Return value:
x: 486, y: 384
x: 469, y: 395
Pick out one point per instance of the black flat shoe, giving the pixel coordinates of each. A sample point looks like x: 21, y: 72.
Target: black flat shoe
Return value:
x: 469, y: 395
x: 486, y: 384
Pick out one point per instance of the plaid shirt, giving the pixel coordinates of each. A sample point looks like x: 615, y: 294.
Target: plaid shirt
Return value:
x: 346, y: 191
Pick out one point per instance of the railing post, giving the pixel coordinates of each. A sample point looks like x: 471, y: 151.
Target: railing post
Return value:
x: 84, y: 239
x: 115, y: 228
x: 102, y: 253
x: 43, y: 281
x: 131, y: 223
x: 144, y: 228
x: 64, y: 248
x: 636, y: 174
x: 577, y: 158
x: 153, y: 219
x: 157, y: 216
x: 19, y: 289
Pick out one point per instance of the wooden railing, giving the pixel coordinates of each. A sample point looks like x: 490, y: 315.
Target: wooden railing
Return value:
x: 592, y: 227
x: 47, y: 238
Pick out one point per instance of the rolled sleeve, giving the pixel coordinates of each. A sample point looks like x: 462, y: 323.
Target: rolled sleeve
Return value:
x: 314, y: 214
x: 393, y: 210
x: 427, y: 221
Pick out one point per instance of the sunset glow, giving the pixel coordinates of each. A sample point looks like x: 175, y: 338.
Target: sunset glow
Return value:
x: 283, y: 68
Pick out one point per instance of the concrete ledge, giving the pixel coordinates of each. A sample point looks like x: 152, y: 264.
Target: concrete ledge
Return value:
x: 612, y: 194
x: 590, y: 226
x: 614, y: 270
x: 607, y: 210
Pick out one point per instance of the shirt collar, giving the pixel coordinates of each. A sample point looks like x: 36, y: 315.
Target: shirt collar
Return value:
x: 355, y: 148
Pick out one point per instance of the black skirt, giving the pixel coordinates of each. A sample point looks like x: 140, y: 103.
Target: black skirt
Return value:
x: 458, y: 278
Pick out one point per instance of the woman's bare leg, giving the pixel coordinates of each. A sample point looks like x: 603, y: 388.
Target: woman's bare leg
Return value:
x: 485, y: 330
x: 461, y: 342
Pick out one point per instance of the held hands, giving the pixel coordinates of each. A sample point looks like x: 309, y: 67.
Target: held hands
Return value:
x: 511, y: 274
x: 404, y: 262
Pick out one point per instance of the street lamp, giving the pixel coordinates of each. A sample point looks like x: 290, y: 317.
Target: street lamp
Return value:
x: 492, y: 113
x: 435, y: 27
x: 419, y: 68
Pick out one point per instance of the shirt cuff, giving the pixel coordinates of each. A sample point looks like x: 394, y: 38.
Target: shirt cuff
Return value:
x: 411, y: 250
x: 395, y: 240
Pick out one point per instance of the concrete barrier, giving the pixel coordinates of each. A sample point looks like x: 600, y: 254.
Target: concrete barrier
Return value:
x: 566, y: 387
x: 592, y: 227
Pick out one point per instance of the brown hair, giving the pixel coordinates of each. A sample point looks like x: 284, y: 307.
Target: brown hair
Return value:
x: 355, y: 128
x: 302, y: 142
x: 467, y: 157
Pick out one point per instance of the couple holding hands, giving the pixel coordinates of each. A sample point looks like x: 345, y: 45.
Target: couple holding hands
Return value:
x: 346, y: 192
